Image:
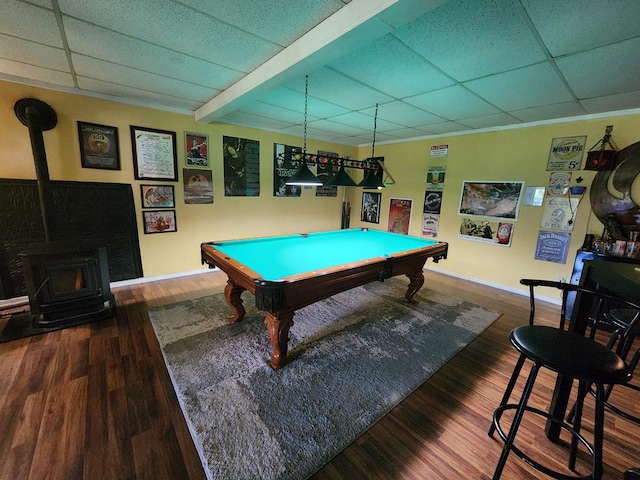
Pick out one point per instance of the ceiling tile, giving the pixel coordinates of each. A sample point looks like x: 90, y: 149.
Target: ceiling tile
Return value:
x: 177, y: 27
x: 447, y: 127
x: 142, y: 81
x: 10, y: 68
x: 452, y: 103
x: 294, y: 100
x: 586, y: 73
x: 365, y: 122
x: 531, y: 86
x: 469, y: 38
x: 277, y: 113
x: 93, y: 41
x: 496, y: 120
x: 571, y: 26
x: 610, y: 103
x: 404, y: 114
x: 546, y: 112
x: 137, y: 96
x: 281, y: 21
x: 391, y: 67
x: 22, y: 20
x: 333, y: 87
x: 32, y: 53
x: 328, y: 125
x: 251, y: 120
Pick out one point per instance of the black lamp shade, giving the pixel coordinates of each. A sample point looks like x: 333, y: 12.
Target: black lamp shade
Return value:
x: 340, y: 179
x: 371, y: 180
x: 304, y: 177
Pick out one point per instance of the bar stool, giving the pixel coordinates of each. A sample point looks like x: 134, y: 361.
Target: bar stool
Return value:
x: 573, y: 356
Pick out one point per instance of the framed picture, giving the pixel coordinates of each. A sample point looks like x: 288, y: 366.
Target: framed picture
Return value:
x: 99, y: 146
x: 370, y: 207
x: 154, y: 154
x: 197, y: 149
x: 499, y: 200
x: 160, y: 221
x: 157, y: 196
x: 399, y: 215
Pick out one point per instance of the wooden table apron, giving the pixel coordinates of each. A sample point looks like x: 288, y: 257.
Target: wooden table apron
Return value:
x: 619, y: 278
x: 280, y: 299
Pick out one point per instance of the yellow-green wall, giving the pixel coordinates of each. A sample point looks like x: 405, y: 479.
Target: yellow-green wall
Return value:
x: 517, y: 154
x: 227, y: 217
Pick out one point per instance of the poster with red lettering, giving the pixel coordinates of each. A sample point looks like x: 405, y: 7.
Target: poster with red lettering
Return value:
x: 399, y: 215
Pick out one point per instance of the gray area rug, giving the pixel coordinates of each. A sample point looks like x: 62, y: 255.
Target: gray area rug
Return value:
x: 352, y: 358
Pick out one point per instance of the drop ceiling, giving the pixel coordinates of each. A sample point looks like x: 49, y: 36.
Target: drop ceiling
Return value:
x: 428, y: 67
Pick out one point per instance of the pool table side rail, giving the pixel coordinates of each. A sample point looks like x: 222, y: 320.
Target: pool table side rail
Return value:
x: 298, y: 291
x: 307, y: 290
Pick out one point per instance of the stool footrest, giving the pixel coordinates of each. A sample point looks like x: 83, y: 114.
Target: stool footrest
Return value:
x: 497, y: 414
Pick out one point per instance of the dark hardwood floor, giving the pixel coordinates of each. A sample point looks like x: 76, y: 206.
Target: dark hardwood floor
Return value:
x: 96, y: 402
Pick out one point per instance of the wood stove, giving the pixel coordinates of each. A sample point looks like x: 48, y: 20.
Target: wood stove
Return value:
x: 67, y: 283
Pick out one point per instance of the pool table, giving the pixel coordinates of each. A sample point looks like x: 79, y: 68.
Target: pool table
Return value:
x: 286, y: 273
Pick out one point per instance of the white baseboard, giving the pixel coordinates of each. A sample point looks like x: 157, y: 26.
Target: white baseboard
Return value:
x: 516, y: 291
x: 18, y: 301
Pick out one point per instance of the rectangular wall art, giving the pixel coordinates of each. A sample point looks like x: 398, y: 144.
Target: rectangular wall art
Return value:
x: 499, y: 200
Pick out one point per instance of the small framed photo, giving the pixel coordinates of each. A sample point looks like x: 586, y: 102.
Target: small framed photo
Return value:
x: 157, y: 196
x: 197, y: 149
x: 99, y: 146
x: 160, y: 221
x: 154, y: 154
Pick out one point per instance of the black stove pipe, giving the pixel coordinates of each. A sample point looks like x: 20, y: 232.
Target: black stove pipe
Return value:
x: 39, y: 117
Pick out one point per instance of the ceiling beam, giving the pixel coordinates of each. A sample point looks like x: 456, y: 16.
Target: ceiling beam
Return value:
x: 351, y: 27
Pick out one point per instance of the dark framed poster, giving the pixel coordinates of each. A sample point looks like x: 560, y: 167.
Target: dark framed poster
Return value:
x: 196, y: 149
x: 371, y: 207
x: 285, y: 165
x: 159, y: 221
x: 241, y: 167
x: 154, y: 154
x: 99, y: 146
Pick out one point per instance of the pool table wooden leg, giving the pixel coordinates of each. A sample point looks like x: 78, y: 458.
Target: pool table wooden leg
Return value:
x: 415, y: 284
x: 232, y: 293
x: 278, y: 326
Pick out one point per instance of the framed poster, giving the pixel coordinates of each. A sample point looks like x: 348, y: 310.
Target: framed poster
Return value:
x: 159, y: 221
x: 491, y: 199
x: 197, y: 149
x: 241, y: 158
x: 198, y: 186
x: 370, y: 207
x: 99, y: 146
x: 154, y: 154
x: 285, y: 165
x: 157, y: 196
x: 399, y: 215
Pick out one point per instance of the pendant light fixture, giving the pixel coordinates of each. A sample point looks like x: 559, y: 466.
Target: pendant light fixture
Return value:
x: 371, y: 178
x: 341, y: 179
x: 303, y: 176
